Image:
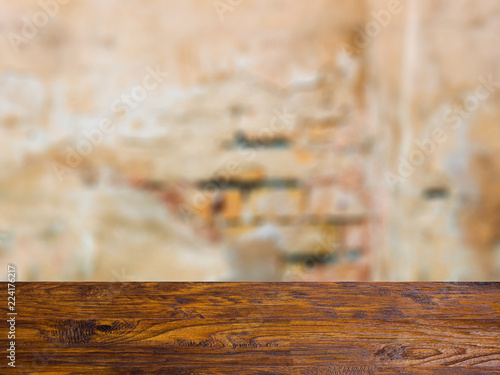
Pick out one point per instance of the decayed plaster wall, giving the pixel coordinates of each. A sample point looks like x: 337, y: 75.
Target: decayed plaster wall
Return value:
x: 397, y: 66
x: 434, y: 69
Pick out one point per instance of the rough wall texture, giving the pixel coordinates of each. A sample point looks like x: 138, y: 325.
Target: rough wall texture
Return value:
x: 434, y: 69
x: 168, y: 140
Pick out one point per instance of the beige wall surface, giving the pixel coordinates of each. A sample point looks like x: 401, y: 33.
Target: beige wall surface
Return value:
x: 250, y: 139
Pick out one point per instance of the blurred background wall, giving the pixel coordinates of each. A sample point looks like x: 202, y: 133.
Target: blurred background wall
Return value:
x: 250, y: 140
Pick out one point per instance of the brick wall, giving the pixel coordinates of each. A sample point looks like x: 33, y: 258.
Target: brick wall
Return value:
x: 169, y: 140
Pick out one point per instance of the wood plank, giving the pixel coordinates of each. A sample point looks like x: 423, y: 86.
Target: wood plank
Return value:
x: 271, y: 301
x: 256, y: 328
x: 154, y: 369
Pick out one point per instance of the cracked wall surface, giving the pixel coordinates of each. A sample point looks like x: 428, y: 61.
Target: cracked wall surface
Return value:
x: 220, y: 140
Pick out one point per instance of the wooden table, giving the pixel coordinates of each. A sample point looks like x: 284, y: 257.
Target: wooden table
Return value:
x: 255, y: 328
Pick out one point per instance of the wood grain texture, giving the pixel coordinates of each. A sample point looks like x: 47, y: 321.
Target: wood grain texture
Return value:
x: 256, y: 328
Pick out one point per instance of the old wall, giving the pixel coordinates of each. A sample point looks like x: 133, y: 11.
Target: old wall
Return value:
x: 166, y: 140
x: 434, y: 69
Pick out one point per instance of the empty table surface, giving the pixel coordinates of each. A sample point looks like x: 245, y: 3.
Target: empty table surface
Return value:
x: 254, y: 328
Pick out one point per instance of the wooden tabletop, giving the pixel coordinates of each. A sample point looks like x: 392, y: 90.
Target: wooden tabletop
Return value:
x: 254, y: 328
